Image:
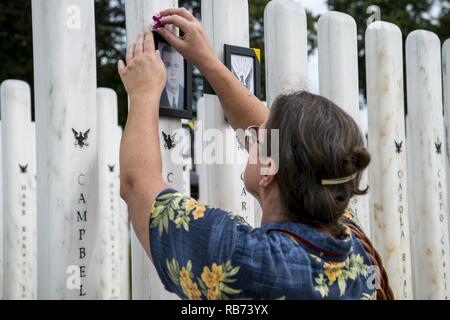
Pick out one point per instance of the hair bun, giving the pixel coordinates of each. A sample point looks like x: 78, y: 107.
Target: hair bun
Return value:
x: 361, y: 158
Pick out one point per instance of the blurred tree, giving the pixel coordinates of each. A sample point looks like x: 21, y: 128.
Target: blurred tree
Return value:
x: 443, y: 20
x: 16, y: 50
x: 110, y: 33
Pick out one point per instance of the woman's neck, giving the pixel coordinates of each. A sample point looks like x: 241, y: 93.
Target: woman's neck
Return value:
x: 272, y: 209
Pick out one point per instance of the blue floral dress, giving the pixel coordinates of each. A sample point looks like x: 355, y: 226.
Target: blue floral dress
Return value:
x: 206, y: 253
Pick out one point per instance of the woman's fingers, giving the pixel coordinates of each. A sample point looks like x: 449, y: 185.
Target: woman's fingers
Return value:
x: 130, y: 53
x: 172, y: 39
x: 121, y: 67
x: 149, y: 43
x: 178, y: 21
x: 139, y: 45
x: 178, y: 11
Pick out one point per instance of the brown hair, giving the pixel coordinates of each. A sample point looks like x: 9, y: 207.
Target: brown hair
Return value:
x: 317, y: 140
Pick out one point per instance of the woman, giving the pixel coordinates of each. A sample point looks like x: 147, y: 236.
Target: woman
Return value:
x: 304, y: 249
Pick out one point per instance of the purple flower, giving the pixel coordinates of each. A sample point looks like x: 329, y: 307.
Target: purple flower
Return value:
x: 157, y: 23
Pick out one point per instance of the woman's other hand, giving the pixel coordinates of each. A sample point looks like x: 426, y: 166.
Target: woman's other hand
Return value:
x: 144, y: 75
x: 194, y: 45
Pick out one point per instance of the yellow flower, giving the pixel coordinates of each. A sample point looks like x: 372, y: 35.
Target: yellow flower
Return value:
x: 195, y: 292
x: 199, y: 212
x: 186, y: 286
x: 191, y: 204
x: 186, y: 282
x: 185, y: 274
x: 212, y: 294
x: 333, y: 270
x: 213, y: 277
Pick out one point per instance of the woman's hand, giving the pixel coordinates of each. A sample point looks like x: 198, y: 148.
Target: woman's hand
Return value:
x: 145, y: 75
x: 194, y: 45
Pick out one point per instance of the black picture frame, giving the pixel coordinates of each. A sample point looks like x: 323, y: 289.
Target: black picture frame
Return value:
x: 186, y: 113
x: 230, y: 50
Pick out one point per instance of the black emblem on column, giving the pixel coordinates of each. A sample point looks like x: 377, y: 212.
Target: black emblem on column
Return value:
x: 23, y: 169
x: 438, y: 146
x: 81, y: 138
x: 111, y: 168
x: 398, y: 146
x: 169, y: 141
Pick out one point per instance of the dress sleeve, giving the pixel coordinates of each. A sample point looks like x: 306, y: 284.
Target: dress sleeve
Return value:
x: 192, y: 246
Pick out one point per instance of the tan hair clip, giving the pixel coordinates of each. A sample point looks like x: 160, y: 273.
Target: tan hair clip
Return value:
x: 332, y: 182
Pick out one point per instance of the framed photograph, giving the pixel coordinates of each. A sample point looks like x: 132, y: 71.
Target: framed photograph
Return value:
x: 245, y: 65
x: 176, y: 99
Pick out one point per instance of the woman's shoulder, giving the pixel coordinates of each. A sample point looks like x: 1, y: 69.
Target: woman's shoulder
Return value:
x: 282, y: 257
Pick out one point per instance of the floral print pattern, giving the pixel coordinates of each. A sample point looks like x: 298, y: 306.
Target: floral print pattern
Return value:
x: 205, y: 253
x: 176, y: 208
x: 341, y: 272
x: 214, y: 281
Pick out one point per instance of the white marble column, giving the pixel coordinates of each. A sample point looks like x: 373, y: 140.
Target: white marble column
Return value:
x: 427, y: 178
x: 338, y: 79
x: 446, y: 88
x: 286, y: 48
x: 124, y: 231
x: 145, y: 282
x: 66, y: 128
x: 109, y: 210
x: 1, y: 212
x: 200, y: 166
x: 1, y: 215
x: 19, y: 200
x: 387, y: 146
x: 338, y: 61
x: 226, y: 22
x: 187, y: 158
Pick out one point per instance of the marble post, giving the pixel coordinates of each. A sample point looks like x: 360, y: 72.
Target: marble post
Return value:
x: 19, y: 199
x: 286, y: 48
x: 226, y: 22
x: 145, y: 281
x: 427, y: 178
x: 200, y: 166
x: 187, y: 158
x: 338, y: 79
x: 124, y: 231
x: 225, y: 181
x: 1, y: 215
x: 338, y: 61
x: 446, y: 88
x: 387, y: 144
x: 66, y: 121
x: 109, y: 210
x: 34, y: 194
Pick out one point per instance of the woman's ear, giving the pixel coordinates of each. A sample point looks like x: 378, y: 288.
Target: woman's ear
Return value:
x: 268, y: 171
